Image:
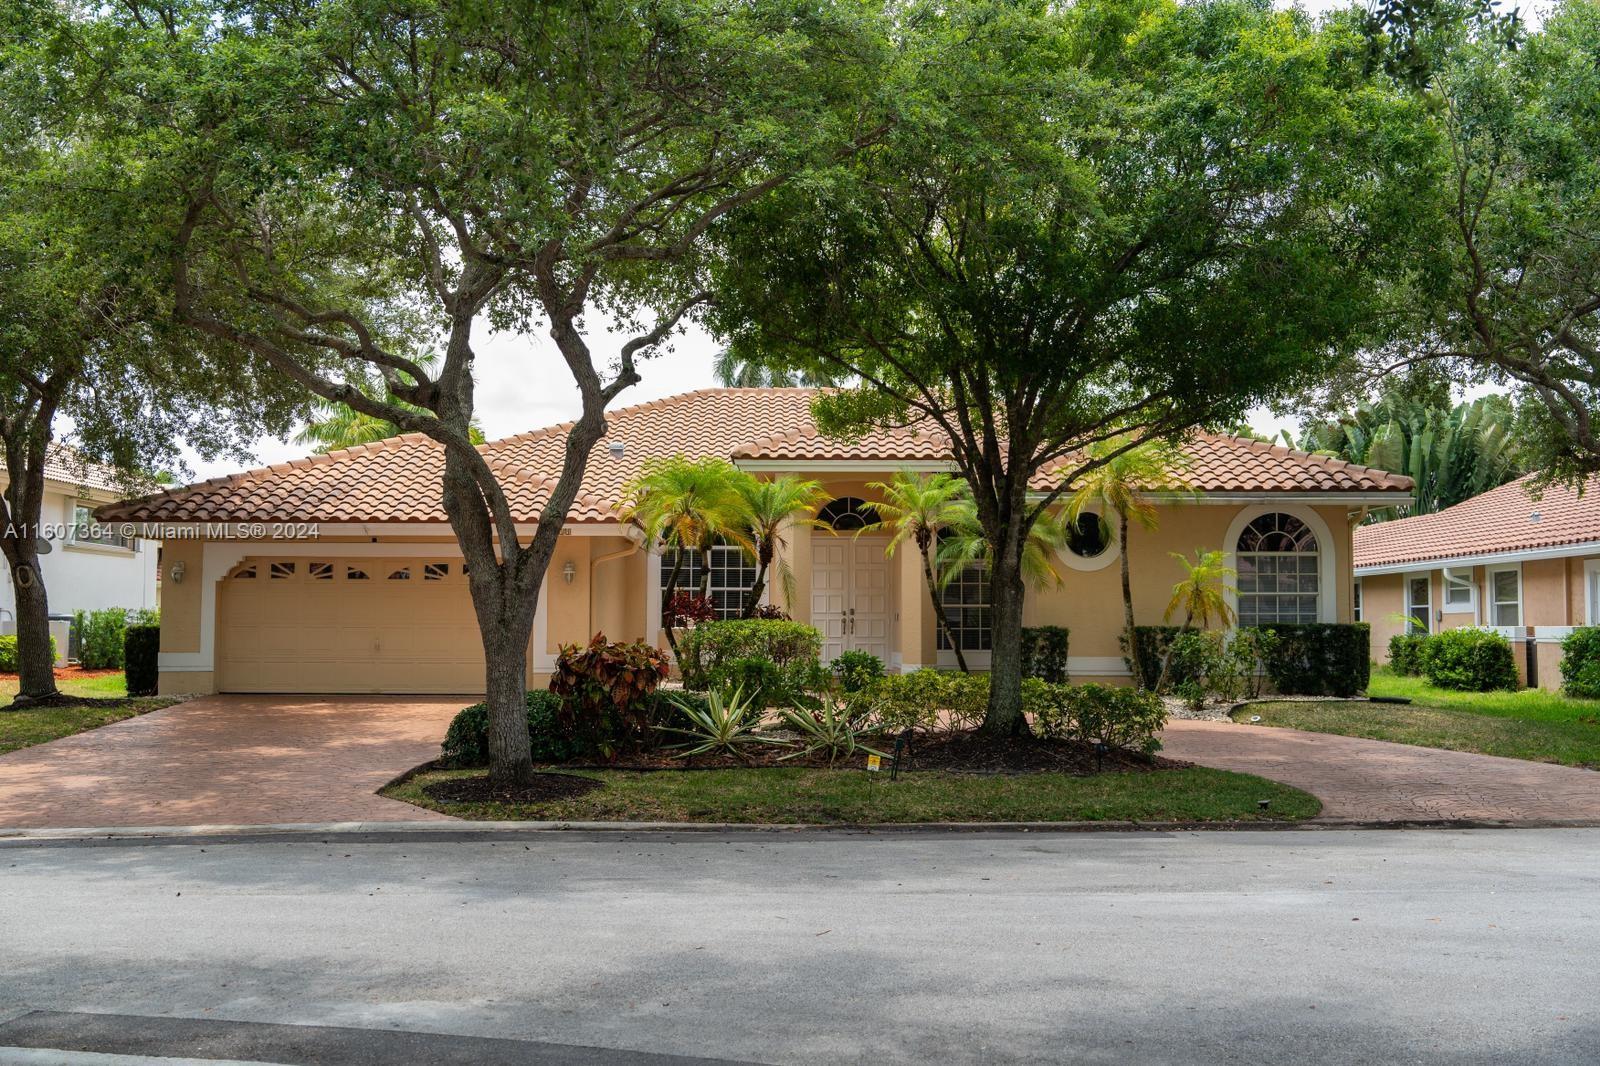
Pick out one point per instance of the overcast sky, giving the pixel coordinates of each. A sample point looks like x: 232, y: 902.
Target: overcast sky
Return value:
x: 523, y: 384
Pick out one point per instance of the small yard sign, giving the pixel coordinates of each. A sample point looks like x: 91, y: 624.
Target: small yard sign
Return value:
x: 874, y: 763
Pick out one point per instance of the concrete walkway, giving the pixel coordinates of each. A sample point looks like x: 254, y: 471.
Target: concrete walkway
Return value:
x: 1374, y: 780
x: 231, y: 760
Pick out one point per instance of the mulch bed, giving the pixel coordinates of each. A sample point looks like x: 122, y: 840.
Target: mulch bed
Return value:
x: 542, y: 789
x: 967, y: 752
x: 67, y: 673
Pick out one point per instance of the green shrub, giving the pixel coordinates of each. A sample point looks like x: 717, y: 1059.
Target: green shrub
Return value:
x: 1117, y: 717
x: 1241, y: 672
x: 1319, y: 658
x: 1197, y: 663
x: 1405, y: 653
x: 466, y: 742
x: 759, y: 679
x: 830, y: 727
x: 606, y: 689
x: 8, y: 653
x: 141, y: 655
x: 923, y: 699
x: 1145, y: 661
x: 1580, y: 662
x: 793, y: 647
x: 1044, y: 653
x: 722, y: 723
x: 100, y: 637
x: 857, y: 669
x: 1475, y: 660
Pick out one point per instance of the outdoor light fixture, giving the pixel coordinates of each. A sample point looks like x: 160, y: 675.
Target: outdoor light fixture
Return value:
x: 177, y: 572
x: 569, y: 570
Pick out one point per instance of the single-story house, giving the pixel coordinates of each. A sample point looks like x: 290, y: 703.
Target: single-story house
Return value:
x: 88, y: 567
x: 339, y: 573
x: 1528, y: 567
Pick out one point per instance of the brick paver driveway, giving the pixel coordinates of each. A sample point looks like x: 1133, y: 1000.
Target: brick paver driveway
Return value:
x: 1373, y: 780
x: 230, y: 760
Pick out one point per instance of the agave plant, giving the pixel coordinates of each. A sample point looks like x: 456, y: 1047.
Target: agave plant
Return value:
x: 829, y: 727
x: 725, y: 724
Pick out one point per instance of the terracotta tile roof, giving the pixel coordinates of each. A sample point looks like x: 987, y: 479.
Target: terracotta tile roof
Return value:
x: 64, y: 464
x: 397, y: 480
x: 1498, y: 521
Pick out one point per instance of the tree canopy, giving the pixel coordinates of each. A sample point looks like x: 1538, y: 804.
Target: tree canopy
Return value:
x: 1118, y: 218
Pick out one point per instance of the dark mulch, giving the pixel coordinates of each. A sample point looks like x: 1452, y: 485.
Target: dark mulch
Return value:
x: 969, y: 752
x: 542, y: 789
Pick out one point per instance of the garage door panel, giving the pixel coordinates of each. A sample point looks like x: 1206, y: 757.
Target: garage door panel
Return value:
x: 300, y: 633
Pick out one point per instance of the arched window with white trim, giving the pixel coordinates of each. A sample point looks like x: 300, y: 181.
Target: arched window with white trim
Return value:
x: 1278, y: 560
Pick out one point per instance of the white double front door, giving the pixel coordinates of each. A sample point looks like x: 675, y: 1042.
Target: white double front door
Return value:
x: 850, y: 594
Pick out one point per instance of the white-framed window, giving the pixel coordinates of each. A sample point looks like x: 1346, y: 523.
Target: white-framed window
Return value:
x: 1459, y: 591
x: 1505, y: 596
x: 85, y: 530
x: 1419, y: 602
x: 1278, y: 561
x: 1591, y: 575
x: 968, y: 607
x: 732, y: 574
x: 1355, y: 602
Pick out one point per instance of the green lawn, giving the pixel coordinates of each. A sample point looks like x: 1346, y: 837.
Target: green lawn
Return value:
x: 22, y: 729
x: 1531, y: 724
x: 106, y: 687
x: 791, y: 795
x: 1530, y: 703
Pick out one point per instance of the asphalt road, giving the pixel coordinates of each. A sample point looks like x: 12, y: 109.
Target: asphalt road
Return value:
x: 1269, y: 947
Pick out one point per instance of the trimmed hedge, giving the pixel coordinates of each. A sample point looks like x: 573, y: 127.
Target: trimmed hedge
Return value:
x: 1580, y: 663
x: 1473, y: 660
x: 1044, y: 653
x: 710, y: 655
x: 1153, y: 642
x: 1319, y: 658
x: 1405, y: 653
x: 8, y: 653
x: 857, y: 669
x: 466, y: 742
x: 141, y: 646
x: 920, y: 699
x: 1100, y: 714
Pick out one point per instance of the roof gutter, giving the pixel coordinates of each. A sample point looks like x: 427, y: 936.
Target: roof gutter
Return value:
x: 1523, y: 555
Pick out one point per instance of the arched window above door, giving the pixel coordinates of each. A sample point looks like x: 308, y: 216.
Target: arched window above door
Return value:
x: 848, y: 514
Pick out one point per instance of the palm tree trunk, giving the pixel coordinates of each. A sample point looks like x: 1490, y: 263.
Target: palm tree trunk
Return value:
x: 667, y: 590
x: 1127, y: 602
x: 763, y: 563
x: 938, y: 611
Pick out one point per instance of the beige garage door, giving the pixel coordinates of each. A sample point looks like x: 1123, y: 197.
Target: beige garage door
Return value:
x: 347, y: 625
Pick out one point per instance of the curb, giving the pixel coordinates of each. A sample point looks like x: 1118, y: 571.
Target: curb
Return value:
x: 423, y: 832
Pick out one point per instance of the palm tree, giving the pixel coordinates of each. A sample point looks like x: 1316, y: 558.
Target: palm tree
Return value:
x: 917, y: 508
x: 1201, y: 594
x: 1453, y: 453
x: 686, y: 505
x: 1119, y: 487
x: 331, y: 426
x: 765, y: 507
x: 736, y: 372
x: 963, y: 545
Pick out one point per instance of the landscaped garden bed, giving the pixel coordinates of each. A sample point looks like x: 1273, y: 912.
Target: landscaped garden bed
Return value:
x: 808, y: 796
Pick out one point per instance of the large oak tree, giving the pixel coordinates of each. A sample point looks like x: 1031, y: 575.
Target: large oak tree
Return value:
x: 1111, y: 219
x: 366, y: 179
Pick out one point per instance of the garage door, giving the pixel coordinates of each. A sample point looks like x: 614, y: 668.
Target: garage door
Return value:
x: 347, y: 625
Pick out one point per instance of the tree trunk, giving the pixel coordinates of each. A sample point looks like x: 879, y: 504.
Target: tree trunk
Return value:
x: 938, y: 611
x: 505, y: 651
x: 763, y: 565
x: 1166, y: 657
x: 1004, y: 715
x: 667, y: 589
x: 35, y: 666
x: 1127, y: 603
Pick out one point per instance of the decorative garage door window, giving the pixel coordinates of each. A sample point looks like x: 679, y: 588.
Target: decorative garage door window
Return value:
x: 967, y: 605
x: 1277, y: 559
x: 732, y: 574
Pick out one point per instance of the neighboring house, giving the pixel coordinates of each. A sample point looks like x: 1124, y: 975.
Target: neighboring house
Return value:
x: 1527, y: 567
x: 370, y: 597
x: 88, y: 567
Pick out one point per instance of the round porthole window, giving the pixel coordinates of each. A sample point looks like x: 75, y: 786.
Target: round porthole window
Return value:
x: 1090, y: 543
x: 1088, y: 537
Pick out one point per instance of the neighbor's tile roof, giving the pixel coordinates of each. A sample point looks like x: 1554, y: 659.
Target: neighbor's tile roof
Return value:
x: 397, y: 480
x: 1500, y: 520
x: 64, y: 464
